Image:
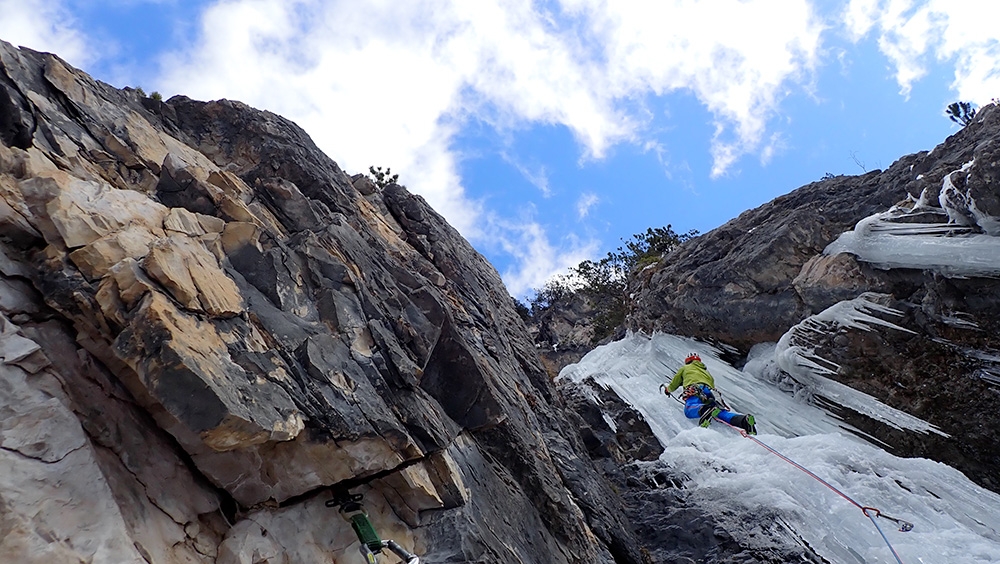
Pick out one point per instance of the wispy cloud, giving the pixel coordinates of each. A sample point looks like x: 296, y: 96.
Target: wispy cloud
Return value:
x: 735, y: 56
x: 536, y: 176
x: 537, y: 258
x: 585, y: 203
x: 915, y: 34
x: 45, y: 26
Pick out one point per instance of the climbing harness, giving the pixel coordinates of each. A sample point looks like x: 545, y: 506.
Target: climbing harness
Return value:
x: 870, y: 512
x: 710, y: 398
x: 371, y: 544
x: 694, y: 390
x: 708, y: 395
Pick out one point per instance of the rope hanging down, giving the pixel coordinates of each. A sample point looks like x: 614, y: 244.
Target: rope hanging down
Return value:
x: 904, y: 526
x: 870, y: 512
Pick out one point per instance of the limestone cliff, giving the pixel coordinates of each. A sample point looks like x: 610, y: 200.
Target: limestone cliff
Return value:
x: 207, y: 324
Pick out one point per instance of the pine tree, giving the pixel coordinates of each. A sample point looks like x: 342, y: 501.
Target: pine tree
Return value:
x: 382, y: 179
x: 961, y: 112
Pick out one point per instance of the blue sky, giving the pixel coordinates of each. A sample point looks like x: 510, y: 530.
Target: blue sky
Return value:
x: 548, y: 131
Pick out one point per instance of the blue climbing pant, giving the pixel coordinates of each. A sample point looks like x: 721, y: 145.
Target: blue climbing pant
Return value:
x: 694, y: 405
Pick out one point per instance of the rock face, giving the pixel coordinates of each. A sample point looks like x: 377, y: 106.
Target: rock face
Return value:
x: 563, y: 331
x: 919, y: 241
x: 207, y: 325
x: 734, y: 283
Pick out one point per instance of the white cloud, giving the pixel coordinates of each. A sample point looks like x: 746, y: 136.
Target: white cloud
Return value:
x: 775, y: 146
x: 913, y: 34
x: 391, y: 83
x: 537, y: 176
x: 537, y: 259
x: 860, y: 16
x: 44, y: 26
x: 585, y: 203
x: 735, y: 56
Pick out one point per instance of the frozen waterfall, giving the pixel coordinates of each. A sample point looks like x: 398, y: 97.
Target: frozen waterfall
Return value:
x: 955, y: 521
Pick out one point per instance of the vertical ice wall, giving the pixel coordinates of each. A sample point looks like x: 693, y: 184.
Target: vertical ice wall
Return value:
x: 759, y: 498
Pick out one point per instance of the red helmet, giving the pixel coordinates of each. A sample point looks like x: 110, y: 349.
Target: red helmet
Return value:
x: 691, y: 358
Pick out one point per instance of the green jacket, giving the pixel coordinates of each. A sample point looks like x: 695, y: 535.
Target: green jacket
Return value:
x: 689, y: 374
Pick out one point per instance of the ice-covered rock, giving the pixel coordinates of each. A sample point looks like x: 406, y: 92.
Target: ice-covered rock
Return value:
x: 908, y: 236
x: 921, y: 233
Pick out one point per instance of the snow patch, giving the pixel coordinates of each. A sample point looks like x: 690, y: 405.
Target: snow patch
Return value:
x: 955, y: 203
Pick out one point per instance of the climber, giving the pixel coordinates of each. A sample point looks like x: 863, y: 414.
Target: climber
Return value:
x: 700, y: 401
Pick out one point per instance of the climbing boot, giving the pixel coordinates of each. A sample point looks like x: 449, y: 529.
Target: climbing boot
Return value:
x: 745, y: 422
x: 708, y: 415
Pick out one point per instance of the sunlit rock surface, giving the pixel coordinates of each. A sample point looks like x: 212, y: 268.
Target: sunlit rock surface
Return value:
x: 206, y: 327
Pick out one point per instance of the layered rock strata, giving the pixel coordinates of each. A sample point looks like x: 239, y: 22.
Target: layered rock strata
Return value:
x: 208, y: 324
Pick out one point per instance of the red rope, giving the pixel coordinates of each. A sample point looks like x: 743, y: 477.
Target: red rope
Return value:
x: 904, y: 526
x: 797, y: 465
